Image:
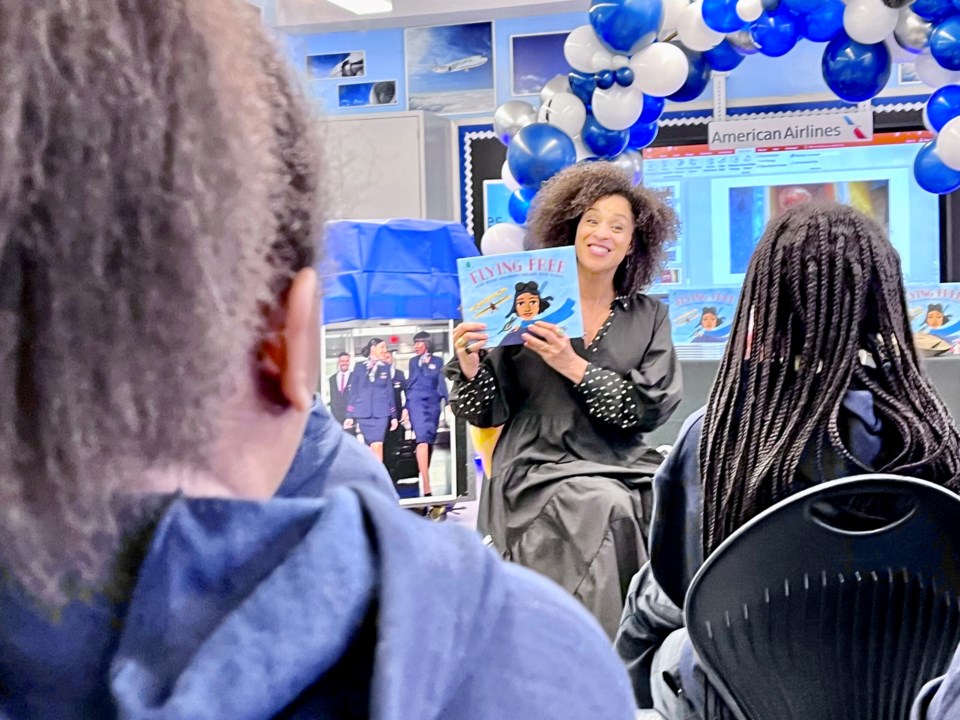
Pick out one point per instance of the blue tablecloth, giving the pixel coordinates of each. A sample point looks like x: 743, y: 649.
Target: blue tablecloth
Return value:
x: 393, y: 269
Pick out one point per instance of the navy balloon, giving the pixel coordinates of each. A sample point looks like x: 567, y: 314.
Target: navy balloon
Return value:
x: 601, y: 141
x: 626, y: 26
x: 933, y: 10
x: 582, y: 86
x: 723, y: 57
x: 698, y: 77
x: 775, y: 33
x: 538, y: 152
x: 943, y: 106
x: 642, y: 135
x: 945, y: 43
x: 625, y: 76
x: 721, y: 15
x: 854, y: 71
x: 770, y: 5
x: 605, y: 79
x: 519, y: 204
x: 803, y: 6
x: 932, y: 175
x: 822, y: 24
x: 652, y: 109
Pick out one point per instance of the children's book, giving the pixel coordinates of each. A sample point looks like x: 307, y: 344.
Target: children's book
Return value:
x: 702, y: 316
x: 509, y: 292
x: 935, y: 310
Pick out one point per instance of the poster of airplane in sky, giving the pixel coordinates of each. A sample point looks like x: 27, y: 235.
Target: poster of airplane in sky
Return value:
x: 336, y: 65
x: 450, y: 68
x: 535, y: 60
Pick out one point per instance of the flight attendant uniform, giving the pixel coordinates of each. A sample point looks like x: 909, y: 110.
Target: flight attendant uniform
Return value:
x: 425, y: 389
x: 372, y: 403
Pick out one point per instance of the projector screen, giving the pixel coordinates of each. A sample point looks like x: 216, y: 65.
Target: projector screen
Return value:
x: 725, y: 198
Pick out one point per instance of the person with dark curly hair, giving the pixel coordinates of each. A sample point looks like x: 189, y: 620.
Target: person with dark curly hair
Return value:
x: 569, y: 494
x: 160, y: 353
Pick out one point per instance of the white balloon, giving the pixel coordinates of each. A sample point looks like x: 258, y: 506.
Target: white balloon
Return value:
x: 502, y: 238
x: 602, y: 60
x: 580, y: 48
x: 619, y: 107
x: 869, y: 21
x: 932, y: 73
x: 898, y: 54
x: 749, y: 10
x: 556, y: 84
x: 660, y: 69
x: 619, y: 61
x: 508, y: 179
x: 948, y: 144
x: 565, y: 111
x: 693, y: 30
x: 631, y: 162
x: 671, y: 16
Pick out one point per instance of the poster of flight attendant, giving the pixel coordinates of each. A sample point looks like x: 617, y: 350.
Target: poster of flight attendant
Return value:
x: 450, y: 68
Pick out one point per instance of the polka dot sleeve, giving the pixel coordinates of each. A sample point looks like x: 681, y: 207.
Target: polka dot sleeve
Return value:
x: 475, y: 396
x: 609, y: 397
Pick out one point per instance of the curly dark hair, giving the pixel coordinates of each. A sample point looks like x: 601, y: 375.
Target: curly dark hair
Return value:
x: 564, y: 199
x: 157, y: 196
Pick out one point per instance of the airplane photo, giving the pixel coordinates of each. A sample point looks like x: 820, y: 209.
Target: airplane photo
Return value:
x: 352, y: 66
x: 462, y: 64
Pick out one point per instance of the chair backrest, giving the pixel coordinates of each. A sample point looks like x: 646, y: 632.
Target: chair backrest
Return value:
x: 801, y: 615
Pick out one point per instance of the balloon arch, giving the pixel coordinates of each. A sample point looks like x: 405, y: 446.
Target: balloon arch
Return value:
x: 636, y: 54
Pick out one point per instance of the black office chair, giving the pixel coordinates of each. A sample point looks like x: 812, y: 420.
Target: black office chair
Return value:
x: 813, y: 611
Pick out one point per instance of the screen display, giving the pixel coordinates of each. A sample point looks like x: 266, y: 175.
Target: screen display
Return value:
x: 725, y: 198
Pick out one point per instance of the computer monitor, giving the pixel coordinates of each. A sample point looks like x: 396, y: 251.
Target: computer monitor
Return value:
x: 725, y: 198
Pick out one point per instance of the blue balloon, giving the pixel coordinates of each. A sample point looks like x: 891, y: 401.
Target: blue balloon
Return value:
x: 601, y: 141
x: 605, y: 79
x: 945, y: 43
x: 933, y: 10
x: 943, y: 106
x: 642, y: 135
x: 519, y: 204
x: 932, y: 175
x: 625, y: 76
x: 582, y: 86
x: 770, y: 5
x: 775, y: 33
x: 652, y: 109
x: 538, y: 152
x: 698, y: 77
x: 854, y: 71
x: 721, y: 15
x: 723, y: 57
x: 822, y: 24
x: 626, y: 26
x: 801, y: 7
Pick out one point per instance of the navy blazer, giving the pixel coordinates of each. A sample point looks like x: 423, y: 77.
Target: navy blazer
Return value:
x: 426, y: 381
x: 371, y: 398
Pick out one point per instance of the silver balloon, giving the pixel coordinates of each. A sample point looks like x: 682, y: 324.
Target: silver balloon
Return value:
x: 743, y: 42
x: 912, y: 32
x: 631, y: 162
x: 511, y: 117
x: 555, y: 85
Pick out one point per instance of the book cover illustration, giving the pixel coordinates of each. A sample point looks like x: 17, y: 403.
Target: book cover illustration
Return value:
x: 702, y: 316
x: 509, y: 292
x: 935, y: 311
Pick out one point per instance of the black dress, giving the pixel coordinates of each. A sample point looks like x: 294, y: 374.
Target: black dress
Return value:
x: 569, y: 496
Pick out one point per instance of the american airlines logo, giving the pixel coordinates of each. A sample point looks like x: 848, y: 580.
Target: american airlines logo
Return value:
x: 796, y: 131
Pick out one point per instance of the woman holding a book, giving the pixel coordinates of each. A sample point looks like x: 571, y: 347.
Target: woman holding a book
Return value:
x: 569, y: 494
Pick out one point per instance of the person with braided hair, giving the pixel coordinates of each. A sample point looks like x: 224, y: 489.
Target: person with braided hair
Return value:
x: 820, y: 380
x: 570, y: 490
